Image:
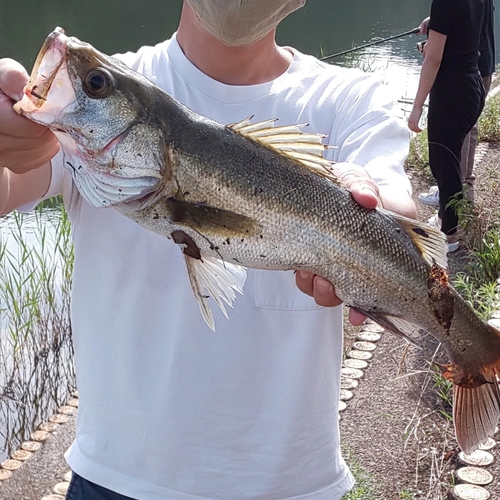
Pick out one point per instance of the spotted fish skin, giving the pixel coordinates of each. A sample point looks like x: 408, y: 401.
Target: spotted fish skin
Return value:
x: 255, y: 195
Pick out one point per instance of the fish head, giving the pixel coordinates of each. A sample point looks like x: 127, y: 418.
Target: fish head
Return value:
x: 101, y: 113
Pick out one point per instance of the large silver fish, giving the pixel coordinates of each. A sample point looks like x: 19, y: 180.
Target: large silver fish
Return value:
x: 255, y: 195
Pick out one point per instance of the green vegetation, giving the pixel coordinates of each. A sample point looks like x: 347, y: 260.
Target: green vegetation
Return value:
x: 489, y: 122
x: 406, y: 495
x: 419, y: 152
x: 36, y: 375
x: 365, y: 487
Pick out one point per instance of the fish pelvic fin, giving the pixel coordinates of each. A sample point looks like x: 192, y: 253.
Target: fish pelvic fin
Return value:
x: 289, y: 140
x: 430, y: 241
x: 475, y: 412
x: 211, y: 277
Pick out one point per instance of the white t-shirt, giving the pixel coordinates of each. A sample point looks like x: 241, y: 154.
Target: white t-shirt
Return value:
x: 169, y: 409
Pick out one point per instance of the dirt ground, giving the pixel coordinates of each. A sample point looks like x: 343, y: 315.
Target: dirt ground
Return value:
x: 393, y: 426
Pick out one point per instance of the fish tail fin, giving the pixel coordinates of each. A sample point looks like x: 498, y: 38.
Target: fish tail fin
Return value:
x: 476, y: 411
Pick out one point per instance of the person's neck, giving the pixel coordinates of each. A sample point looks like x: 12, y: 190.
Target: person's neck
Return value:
x: 251, y: 64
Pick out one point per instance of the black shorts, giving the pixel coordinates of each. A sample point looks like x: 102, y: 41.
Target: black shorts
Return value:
x: 81, y: 489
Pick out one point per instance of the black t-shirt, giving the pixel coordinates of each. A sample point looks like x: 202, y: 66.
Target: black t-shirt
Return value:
x: 461, y: 22
x: 487, y: 41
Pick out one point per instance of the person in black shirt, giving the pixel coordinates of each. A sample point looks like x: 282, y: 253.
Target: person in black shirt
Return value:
x: 451, y: 78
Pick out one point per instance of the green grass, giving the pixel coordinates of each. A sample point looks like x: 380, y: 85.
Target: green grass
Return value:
x: 489, y: 121
x: 365, y: 487
x: 36, y: 368
x: 418, y: 156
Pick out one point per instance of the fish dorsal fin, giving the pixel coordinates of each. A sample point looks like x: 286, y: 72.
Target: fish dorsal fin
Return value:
x: 211, y: 277
x: 429, y: 240
x: 290, y: 141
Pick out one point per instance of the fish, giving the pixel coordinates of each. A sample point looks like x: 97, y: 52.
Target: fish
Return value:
x: 256, y: 195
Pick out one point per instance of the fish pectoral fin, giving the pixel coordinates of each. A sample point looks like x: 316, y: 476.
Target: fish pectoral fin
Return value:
x: 475, y: 413
x: 211, y: 277
x: 199, y: 216
x: 430, y: 241
x: 396, y: 325
x: 289, y: 140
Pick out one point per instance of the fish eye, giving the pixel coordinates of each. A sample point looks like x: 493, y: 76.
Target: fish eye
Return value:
x: 98, y: 83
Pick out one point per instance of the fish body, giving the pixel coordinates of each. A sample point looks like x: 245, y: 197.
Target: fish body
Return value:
x: 260, y: 196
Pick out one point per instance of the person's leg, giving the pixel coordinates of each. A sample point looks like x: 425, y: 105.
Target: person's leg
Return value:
x: 469, y: 152
x: 81, y: 489
x: 448, y: 124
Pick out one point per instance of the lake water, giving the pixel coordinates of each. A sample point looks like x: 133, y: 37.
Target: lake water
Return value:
x: 321, y: 27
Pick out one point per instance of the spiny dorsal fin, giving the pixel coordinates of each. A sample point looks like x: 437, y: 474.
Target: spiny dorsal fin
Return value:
x: 290, y: 141
x: 430, y: 241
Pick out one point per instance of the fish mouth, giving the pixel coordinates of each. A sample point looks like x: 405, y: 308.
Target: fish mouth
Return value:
x: 48, y: 62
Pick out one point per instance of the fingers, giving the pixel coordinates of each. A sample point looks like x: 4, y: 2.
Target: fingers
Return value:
x: 356, y: 317
x: 362, y: 187
x: 413, y: 121
x: 320, y: 289
x: 13, y: 78
x: 24, y: 145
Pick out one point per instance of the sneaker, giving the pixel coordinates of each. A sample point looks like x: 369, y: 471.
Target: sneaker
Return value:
x: 434, y: 221
x: 431, y: 198
x: 452, y: 247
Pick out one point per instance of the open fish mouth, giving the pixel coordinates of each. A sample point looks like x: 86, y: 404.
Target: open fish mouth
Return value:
x: 54, y: 97
x: 44, y: 76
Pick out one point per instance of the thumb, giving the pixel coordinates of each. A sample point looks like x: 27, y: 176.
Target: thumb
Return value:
x: 13, y: 78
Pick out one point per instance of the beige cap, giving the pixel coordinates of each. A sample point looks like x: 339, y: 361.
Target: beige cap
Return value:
x: 240, y: 22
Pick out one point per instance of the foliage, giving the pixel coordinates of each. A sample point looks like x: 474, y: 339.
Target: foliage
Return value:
x: 418, y: 156
x: 489, y: 121
x: 36, y: 370
x: 365, y: 487
x: 443, y: 389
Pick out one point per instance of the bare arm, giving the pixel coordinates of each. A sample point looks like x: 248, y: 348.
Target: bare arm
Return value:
x: 25, y: 147
x: 433, y: 54
x: 19, y: 189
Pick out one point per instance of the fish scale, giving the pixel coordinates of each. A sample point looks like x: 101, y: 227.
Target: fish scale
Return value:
x: 255, y: 195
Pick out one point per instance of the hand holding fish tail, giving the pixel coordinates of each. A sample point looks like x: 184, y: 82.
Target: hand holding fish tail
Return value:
x: 24, y: 145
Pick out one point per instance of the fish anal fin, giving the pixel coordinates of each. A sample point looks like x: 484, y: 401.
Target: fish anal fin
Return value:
x: 475, y: 412
x: 430, y: 241
x: 396, y: 325
x: 211, y: 220
x: 212, y: 278
x: 305, y: 148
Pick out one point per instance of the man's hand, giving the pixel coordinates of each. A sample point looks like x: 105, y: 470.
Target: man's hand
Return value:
x: 24, y: 145
x: 365, y: 192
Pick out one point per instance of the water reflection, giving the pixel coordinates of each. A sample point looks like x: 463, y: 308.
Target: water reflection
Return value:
x: 36, y: 353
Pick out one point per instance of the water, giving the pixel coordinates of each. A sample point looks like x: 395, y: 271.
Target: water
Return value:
x: 322, y: 26
x: 37, y: 372
x: 40, y: 378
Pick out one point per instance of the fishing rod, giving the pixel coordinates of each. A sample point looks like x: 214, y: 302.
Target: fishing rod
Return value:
x: 414, y: 31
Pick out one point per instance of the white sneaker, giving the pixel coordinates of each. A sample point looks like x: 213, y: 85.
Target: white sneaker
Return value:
x: 431, y: 198
x: 434, y: 221
x: 452, y: 247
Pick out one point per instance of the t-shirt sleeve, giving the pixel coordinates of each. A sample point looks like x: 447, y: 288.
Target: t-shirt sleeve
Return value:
x: 441, y: 16
x: 369, y: 133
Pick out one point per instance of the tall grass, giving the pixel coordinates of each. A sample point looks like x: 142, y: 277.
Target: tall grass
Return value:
x: 36, y: 368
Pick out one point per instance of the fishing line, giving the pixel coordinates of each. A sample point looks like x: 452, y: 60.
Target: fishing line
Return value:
x: 414, y: 31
